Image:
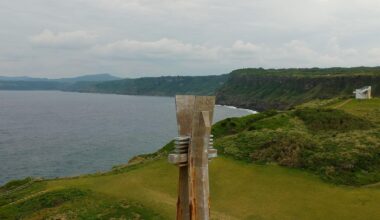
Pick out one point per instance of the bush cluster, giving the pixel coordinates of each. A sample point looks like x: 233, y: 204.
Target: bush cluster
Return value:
x: 319, y: 119
x: 340, y: 147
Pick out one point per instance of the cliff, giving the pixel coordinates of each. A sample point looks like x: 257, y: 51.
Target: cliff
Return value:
x: 262, y: 89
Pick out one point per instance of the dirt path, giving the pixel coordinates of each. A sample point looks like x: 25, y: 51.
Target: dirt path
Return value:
x: 371, y: 185
x: 18, y: 188
x: 170, y: 201
x: 343, y: 103
x: 27, y: 197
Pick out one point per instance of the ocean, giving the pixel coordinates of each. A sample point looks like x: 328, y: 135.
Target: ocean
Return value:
x: 52, y: 134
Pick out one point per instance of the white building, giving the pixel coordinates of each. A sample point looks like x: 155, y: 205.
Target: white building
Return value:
x: 363, y: 93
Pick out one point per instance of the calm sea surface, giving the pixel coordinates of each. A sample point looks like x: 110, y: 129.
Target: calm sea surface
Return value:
x: 51, y: 134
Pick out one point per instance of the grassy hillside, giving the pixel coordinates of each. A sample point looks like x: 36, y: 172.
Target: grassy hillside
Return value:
x: 264, y: 89
x: 272, y: 165
x: 339, y: 141
x: 238, y: 191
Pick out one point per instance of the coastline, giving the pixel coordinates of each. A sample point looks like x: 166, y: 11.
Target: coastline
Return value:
x: 116, y: 93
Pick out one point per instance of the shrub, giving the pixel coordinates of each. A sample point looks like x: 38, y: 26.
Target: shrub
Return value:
x: 284, y: 147
x: 317, y: 119
x: 351, y: 158
x: 231, y: 126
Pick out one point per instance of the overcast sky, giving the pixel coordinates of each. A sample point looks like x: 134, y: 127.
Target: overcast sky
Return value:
x: 132, y: 38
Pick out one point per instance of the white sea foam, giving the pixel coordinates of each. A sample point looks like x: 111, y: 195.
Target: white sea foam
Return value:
x: 244, y: 109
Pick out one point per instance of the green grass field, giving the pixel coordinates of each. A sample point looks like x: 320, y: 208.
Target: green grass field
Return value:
x: 369, y: 109
x: 240, y: 189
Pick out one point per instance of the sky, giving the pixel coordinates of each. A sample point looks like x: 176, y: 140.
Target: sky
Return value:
x: 134, y: 38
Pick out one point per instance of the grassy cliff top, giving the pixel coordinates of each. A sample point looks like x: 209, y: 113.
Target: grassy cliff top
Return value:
x: 310, y: 72
x: 238, y: 191
x: 339, y: 140
x: 283, y: 89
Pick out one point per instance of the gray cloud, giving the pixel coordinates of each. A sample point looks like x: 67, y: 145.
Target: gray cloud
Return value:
x: 73, y: 39
x: 161, y: 49
x: 146, y: 37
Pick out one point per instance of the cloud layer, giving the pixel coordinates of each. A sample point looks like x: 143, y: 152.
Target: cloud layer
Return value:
x: 146, y: 38
x: 73, y: 39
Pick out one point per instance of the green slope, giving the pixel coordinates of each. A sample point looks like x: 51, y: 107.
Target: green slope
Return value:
x: 338, y: 140
x: 238, y: 191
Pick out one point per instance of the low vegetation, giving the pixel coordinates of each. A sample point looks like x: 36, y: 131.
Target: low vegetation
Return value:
x: 15, y: 184
x: 239, y: 190
x: 74, y: 203
x: 320, y: 119
x: 47, y: 200
x: 340, y: 147
x: 10, y: 195
x: 235, y: 125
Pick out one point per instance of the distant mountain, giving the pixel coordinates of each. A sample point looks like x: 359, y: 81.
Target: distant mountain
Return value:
x: 86, y: 78
x: 90, y: 78
x: 157, y: 86
x: 32, y: 85
x: 66, y: 84
x: 105, y: 83
x: 21, y: 78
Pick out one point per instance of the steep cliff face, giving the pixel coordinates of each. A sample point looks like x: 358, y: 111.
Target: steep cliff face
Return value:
x: 282, y: 89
